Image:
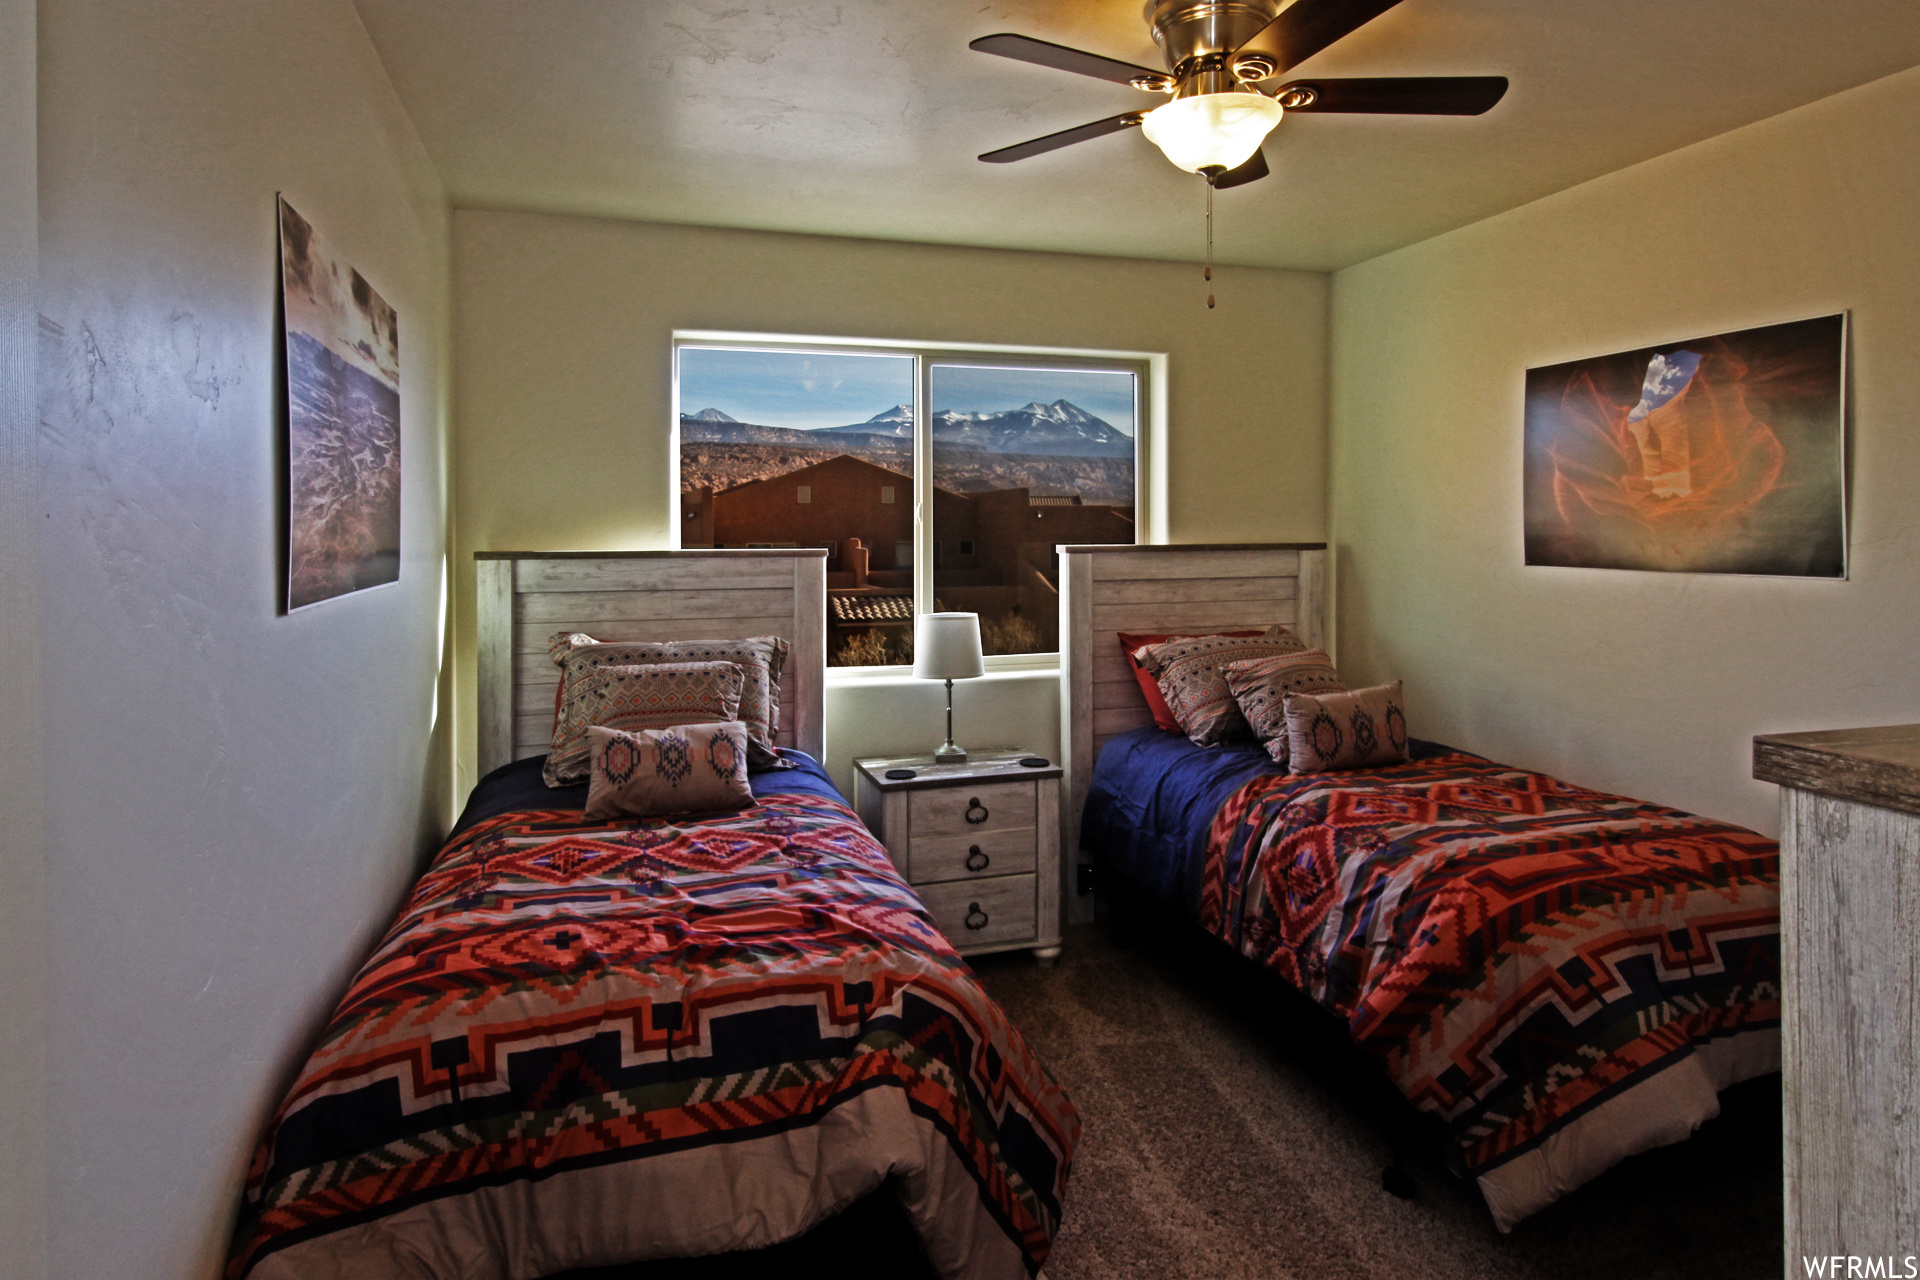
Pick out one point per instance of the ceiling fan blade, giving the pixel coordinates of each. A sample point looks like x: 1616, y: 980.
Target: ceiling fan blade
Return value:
x: 1046, y: 54
x: 1396, y: 95
x: 1250, y: 171
x: 1305, y: 27
x: 1064, y: 138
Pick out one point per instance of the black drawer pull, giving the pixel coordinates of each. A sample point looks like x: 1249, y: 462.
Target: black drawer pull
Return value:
x: 973, y: 802
x: 976, y: 860
x: 976, y: 918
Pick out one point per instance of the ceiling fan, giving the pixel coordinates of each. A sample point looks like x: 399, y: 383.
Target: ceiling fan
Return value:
x: 1222, y: 56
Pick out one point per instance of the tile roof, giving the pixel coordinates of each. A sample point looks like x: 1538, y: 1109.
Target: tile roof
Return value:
x: 871, y: 608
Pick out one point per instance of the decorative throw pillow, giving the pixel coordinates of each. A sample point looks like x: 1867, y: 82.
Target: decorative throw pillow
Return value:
x: 635, y: 698
x: 1356, y: 730
x: 690, y: 768
x: 1261, y: 685
x: 762, y: 658
x: 1130, y: 644
x: 1190, y: 676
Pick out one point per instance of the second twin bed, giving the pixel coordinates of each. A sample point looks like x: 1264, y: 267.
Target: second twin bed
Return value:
x: 1558, y: 978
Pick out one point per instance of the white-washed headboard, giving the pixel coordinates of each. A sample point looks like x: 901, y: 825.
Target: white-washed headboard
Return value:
x: 1105, y: 590
x: 524, y: 597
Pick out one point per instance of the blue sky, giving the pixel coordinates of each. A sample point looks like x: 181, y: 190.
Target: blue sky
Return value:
x: 793, y: 389
x: 808, y: 390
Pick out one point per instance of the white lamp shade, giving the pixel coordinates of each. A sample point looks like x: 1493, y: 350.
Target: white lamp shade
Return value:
x: 946, y: 646
x: 1212, y: 129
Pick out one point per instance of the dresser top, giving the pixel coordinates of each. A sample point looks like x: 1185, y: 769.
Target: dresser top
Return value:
x: 991, y: 764
x: 1878, y: 766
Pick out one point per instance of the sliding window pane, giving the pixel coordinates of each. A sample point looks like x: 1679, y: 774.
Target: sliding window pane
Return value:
x: 808, y: 449
x: 1024, y: 458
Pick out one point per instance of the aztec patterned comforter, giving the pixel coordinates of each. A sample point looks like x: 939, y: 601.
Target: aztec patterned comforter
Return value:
x: 583, y: 1044
x: 1561, y: 977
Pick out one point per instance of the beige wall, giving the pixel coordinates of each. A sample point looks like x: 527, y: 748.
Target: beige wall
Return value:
x: 563, y: 363
x: 23, y: 961
x: 1648, y: 684
x: 235, y: 799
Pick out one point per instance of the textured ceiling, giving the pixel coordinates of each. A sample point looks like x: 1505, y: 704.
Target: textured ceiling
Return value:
x: 863, y: 117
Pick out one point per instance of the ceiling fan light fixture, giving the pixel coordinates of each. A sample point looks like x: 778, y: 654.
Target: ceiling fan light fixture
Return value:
x: 1211, y: 130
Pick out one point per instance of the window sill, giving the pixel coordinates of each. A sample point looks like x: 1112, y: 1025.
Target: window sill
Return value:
x: 1003, y: 665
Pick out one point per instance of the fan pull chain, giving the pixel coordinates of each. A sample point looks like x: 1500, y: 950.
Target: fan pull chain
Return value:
x: 1209, y: 272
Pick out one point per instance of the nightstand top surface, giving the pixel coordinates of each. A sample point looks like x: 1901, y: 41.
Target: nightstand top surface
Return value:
x: 991, y: 764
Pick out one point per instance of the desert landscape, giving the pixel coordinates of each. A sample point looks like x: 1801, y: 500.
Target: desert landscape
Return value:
x: 344, y: 460
x: 1056, y: 449
x: 343, y: 422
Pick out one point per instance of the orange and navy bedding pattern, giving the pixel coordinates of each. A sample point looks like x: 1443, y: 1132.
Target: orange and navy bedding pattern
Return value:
x: 1514, y: 949
x: 559, y: 996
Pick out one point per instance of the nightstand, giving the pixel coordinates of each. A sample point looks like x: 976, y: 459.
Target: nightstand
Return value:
x: 979, y: 841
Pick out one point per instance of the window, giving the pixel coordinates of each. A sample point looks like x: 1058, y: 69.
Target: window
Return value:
x: 801, y: 445
x: 1025, y: 458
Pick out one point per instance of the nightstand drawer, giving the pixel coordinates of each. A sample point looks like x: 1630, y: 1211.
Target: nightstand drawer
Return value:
x: 972, y: 857
x: 980, y: 913
x: 954, y: 811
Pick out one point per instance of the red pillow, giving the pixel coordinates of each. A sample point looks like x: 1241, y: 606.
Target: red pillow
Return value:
x: 1149, y: 687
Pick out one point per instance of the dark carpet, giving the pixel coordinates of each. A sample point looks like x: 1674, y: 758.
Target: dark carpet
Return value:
x: 1232, y: 1131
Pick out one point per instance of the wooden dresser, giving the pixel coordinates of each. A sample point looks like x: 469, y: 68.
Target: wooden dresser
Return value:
x: 1850, y: 942
x: 980, y: 841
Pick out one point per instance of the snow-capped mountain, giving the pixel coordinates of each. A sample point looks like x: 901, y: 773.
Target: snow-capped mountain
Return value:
x: 695, y: 429
x: 1058, y: 428
x: 897, y: 421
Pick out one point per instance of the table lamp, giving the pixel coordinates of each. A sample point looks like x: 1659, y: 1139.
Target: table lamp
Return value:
x: 946, y: 646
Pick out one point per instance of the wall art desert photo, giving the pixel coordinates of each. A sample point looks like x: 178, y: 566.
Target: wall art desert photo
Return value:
x: 343, y: 422
x: 1724, y: 454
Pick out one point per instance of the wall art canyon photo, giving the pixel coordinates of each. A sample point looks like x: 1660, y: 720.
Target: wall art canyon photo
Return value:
x: 1724, y: 454
x: 343, y: 422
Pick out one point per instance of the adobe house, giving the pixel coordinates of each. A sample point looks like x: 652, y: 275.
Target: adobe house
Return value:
x: 696, y: 517
x: 822, y: 506
x: 993, y: 554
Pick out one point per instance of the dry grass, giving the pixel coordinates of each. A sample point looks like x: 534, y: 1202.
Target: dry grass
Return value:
x: 872, y: 649
x: 1011, y: 634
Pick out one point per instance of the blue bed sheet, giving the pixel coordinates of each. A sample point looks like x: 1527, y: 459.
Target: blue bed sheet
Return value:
x: 1152, y: 798
x: 519, y: 786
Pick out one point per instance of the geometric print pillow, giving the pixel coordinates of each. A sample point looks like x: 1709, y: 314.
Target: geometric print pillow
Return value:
x: 1131, y: 644
x: 693, y: 768
x: 1261, y: 686
x: 635, y: 698
x: 1358, y: 730
x: 762, y: 658
x: 1192, y: 678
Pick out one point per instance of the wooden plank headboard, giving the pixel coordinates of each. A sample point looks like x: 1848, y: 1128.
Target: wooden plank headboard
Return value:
x: 524, y: 597
x: 1105, y: 590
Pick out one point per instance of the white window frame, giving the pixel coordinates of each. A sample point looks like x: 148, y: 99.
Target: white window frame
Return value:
x: 1149, y: 446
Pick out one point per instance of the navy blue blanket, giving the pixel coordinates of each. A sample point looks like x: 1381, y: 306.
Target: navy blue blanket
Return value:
x: 519, y: 786
x: 1154, y: 794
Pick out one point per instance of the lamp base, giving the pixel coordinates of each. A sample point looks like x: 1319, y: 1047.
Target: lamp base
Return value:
x: 950, y: 754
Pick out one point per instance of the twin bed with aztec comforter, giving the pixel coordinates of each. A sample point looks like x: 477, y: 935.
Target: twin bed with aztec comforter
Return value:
x: 587, y: 1042
x: 1558, y: 977
x: 584, y: 1043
